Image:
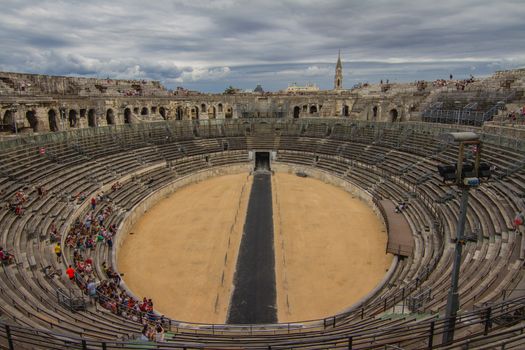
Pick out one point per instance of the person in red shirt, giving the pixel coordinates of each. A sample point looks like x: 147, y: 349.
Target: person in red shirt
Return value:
x: 70, y: 272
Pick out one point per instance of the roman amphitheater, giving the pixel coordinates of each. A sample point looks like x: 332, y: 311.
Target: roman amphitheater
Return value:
x: 307, y: 220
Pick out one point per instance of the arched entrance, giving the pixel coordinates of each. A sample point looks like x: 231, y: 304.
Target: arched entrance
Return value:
x: 219, y: 107
x: 92, y: 118
x: 179, y: 113
x: 72, y: 118
x: 127, y: 116
x: 296, y: 112
x: 313, y: 109
x: 8, y: 121
x: 52, y: 119
x: 162, y: 112
x: 110, y: 117
x: 213, y: 112
x: 229, y: 113
x: 144, y: 111
x: 374, y: 112
x: 346, y: 110
x: 195, y: 113
x: 32, y: 119
x: 393, y: 115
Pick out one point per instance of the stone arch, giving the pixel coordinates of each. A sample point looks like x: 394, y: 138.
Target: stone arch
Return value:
x: 393, y: 115
x: 32, y: 119
x: 127, y: 116
x: 374, y: 112
x: 72, y: 118
x: 92, y: 118
x: 313, y: 109
x: 144, y: 111
x: 346, y: 111
x: 203, y: 107
x: 212, y: 112
x: 296, y: 112
x: 162, y: 112
x: 110, y: 117
x: 195, y: 112
x: 229, y: 112
x: 179, y: 113
x: 8, y: 121
x: 52, y: 119
x: 219, y: 108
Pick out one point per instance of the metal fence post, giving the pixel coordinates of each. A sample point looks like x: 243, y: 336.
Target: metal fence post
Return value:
x: 9, y: 338
x: 431, y: 335
x: 488, y: 322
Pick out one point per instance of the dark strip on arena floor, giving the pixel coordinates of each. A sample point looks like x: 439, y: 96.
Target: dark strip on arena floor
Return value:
x: 254, y: 295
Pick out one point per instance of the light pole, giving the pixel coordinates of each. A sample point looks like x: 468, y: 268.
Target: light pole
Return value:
x: 465, y: 175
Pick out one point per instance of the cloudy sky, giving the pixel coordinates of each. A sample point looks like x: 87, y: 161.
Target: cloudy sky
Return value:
x: 208, y: 45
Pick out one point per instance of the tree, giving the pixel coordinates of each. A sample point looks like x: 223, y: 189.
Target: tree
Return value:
x: 230, y: 90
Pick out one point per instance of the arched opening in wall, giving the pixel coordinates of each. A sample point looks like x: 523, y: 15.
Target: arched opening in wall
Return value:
x: 305, y: 108
x: 52, y: 118
x: 213, y: 113
x: 127, y: 116
x: 195, y: 113
x: 393, y: 115
x: 136, y: 110
x: 110, y: 117
x: 203, y: 107
x: 32, y: 119
x: 179, y: 113
x: 144, y: 111
x: 346, y: 111
x: 162, y: 112
x: 374, y: 112
x: 92, y: 118
x: 229, y: 113
x: 72, y: 118
x: 83, y: 112
x: 8, y: 121
x: 313, y: 109
x: 296, y: 112
x: 153, y: 109
x: 219, y: 107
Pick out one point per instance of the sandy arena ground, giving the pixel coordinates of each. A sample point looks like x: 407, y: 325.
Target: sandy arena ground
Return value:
x: 329, y: 248
x: 177, y: 253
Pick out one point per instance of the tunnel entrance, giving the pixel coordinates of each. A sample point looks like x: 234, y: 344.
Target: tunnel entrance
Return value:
x: 262, y: 161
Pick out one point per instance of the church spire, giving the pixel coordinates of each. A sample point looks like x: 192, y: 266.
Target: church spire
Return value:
x: 338, y: 79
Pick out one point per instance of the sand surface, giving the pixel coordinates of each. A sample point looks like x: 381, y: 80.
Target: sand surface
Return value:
x: 184, y: 250
x: 329, y: 248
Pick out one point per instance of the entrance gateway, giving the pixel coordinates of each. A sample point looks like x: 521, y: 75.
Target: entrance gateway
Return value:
x: 262, y: 161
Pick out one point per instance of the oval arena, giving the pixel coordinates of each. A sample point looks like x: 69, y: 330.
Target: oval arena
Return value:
x: 132, y: 169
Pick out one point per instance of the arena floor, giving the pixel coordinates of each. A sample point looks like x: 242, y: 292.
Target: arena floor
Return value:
x: 329, y: 249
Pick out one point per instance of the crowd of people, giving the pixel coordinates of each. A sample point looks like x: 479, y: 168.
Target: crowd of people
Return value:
x: 82, y: 238
x: 17, y: 202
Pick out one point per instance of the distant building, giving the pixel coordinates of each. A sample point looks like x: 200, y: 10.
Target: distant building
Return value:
x: 310, y: 87
x: 338, y: 79
x: 258, y: 89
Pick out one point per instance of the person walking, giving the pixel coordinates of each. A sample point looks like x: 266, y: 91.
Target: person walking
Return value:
x: 58, y: 252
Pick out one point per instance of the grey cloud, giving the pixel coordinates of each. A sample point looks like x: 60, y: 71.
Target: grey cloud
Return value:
x: 210, y: 44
